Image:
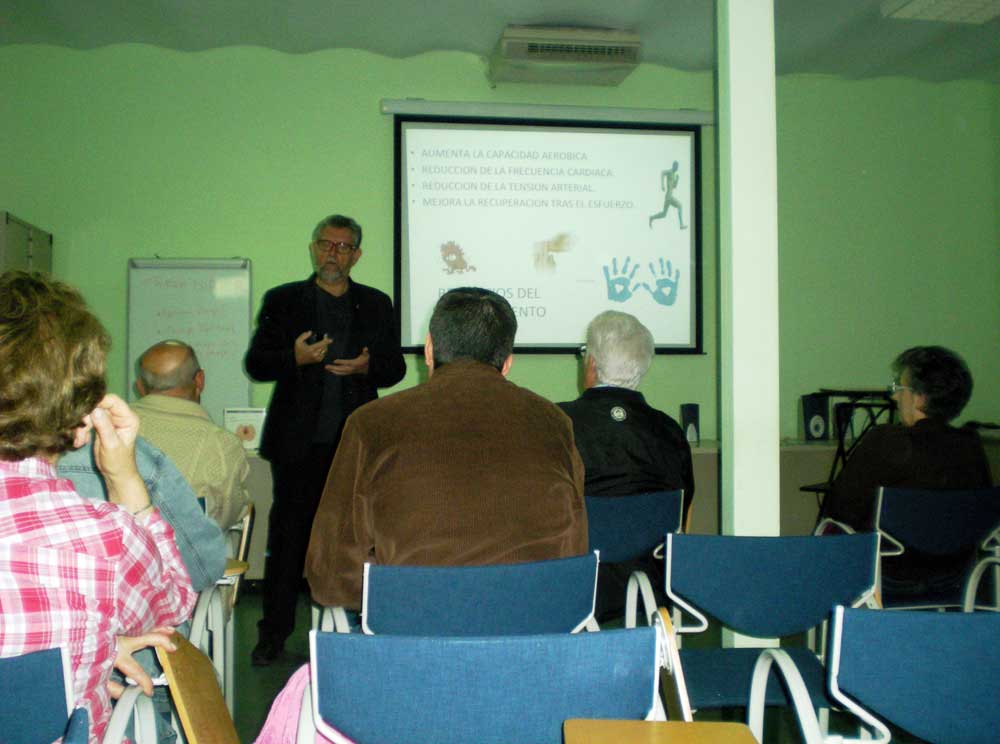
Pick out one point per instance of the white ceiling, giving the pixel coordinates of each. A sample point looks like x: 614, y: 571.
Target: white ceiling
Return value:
x: 848, y: 38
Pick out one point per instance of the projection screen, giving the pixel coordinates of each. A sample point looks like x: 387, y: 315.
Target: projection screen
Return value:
x: 565, y: 220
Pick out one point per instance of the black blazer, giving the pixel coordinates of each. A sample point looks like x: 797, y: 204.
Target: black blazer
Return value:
x: 639, y: 450
x: 286, y: 312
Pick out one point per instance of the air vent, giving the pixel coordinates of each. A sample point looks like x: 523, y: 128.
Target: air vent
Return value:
x: 574, y: 56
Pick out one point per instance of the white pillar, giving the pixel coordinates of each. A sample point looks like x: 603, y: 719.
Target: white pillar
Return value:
x: 748, y: 268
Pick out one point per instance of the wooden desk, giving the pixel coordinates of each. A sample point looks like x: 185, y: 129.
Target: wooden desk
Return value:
x: 591, y: 731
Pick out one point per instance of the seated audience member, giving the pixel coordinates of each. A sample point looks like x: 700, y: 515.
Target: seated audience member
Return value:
x: 77, y: 573
x: 465, y: 469
x: 199, y: 540
x: 212, y: 459
x: 627, y: 446
x: 931, y: 387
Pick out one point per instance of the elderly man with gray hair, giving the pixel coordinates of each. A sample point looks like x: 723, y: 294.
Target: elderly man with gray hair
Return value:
x: 211, y: 459
x: 627, y: 446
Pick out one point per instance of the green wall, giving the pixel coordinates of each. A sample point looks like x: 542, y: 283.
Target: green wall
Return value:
x: 889, y: 193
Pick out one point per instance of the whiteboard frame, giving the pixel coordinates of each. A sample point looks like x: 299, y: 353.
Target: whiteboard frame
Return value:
x: 238, y: 263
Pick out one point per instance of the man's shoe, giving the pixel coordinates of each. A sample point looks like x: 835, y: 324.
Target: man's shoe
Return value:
x: 266, y: 651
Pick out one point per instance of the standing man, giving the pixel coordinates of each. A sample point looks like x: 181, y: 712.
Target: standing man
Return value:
x: 465, y: 469
x: 212, y: 459
x: 628, y: 447
x: 328, y: 344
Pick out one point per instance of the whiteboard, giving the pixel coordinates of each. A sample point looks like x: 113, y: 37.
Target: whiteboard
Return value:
x: 202, y: 302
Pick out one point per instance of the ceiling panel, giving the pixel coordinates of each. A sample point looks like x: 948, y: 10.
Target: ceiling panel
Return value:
x: 848, y: 38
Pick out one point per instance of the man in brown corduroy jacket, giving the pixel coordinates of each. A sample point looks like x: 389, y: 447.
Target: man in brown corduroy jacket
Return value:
x: 465, y: 469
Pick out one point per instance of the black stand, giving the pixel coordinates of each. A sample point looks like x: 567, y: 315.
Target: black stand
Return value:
x: 877, y: 407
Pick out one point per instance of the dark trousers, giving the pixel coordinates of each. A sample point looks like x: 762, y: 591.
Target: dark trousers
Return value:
x: 612, y: 582
x: 297, y: 490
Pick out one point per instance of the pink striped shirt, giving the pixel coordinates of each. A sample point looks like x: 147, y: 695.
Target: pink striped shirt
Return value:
x: 76, y: 573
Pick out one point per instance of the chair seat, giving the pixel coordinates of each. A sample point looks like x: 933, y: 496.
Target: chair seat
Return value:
x: 720, y: 678
x: 927, y: 600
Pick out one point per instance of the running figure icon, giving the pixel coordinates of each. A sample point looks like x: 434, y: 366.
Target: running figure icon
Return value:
x: 668, y: 183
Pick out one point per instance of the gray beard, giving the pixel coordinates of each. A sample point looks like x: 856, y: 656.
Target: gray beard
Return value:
x: 329, y: 274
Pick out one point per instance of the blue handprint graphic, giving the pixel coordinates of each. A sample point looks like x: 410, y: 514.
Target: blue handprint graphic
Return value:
x: 665, y: 292
x: 618, y: 285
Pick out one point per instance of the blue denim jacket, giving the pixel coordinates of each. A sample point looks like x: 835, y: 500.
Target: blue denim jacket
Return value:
x: 199, y: 539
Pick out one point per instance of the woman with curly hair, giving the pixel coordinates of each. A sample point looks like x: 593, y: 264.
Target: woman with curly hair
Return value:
x: 76, y: 573
x: 931, y: 386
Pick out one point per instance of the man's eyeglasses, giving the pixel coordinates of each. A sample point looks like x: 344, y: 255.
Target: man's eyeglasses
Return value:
x: 895, y: 387
x: 327, y: 246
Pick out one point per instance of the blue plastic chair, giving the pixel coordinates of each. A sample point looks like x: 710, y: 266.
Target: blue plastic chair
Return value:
x: 933, y: 674
x: 554, y: 596
x: 936, y: 523
x: 36, y: 701
x: 532, y: 597
x: 388, y: 689
x: 766, y: 587
x: 626, y: 528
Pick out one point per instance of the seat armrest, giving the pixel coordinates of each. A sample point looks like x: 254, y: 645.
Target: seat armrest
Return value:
x: 975, y: 578
x: 340, y: 622
x: 132, y: 704
x: 829, y: 526
x: 639, y: 584
x: 672, y: 683
x: 328, y: 619
x: 781, y: 662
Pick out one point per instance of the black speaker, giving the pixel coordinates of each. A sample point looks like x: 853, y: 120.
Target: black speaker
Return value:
x: 689, y: 422
x: 816, y: 416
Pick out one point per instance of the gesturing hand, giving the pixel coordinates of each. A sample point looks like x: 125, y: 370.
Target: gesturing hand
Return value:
x: 356, y: 366
x: 618, y: 285
x: 307, y: 353
x: 665, y: 292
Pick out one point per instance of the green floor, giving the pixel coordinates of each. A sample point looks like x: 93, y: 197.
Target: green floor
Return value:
x: 256, y: 687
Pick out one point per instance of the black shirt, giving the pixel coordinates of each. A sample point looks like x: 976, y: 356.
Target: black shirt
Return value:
x: 334, y: 316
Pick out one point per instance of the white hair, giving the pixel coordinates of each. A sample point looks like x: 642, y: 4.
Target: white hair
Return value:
x: 622, y: 348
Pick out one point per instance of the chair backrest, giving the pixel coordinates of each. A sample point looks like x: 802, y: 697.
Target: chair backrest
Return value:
x: 490, y: 690
x: 934, y: 674
x: 196, y: 694
x: 626, y: 527
x: 242, y: 547
x: 554, y: 596
x: 768, y: 586
x: 938, y: 522
x: 35, y: 696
